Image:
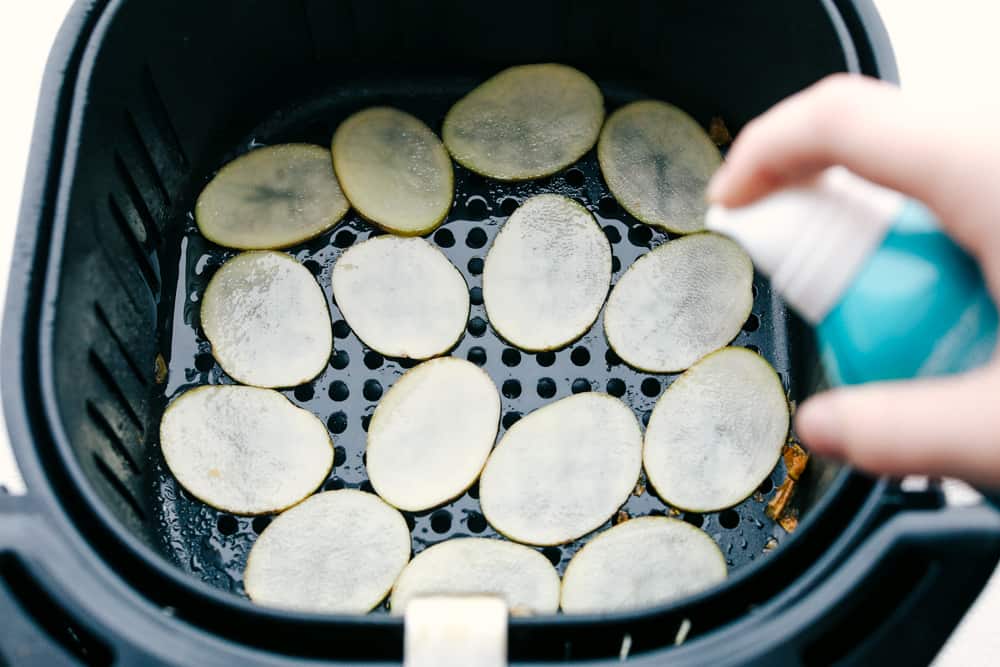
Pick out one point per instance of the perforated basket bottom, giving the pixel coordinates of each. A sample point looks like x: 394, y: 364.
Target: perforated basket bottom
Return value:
x: 214, y: 545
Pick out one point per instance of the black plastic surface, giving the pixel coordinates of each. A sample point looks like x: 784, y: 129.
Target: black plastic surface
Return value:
x: 141, y: 101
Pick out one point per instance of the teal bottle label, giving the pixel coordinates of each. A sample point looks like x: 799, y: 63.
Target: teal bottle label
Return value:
x: 918, y: 306
x: 969, y: 343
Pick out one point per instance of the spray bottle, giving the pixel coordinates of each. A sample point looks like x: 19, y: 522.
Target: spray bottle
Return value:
x: 890, y: 295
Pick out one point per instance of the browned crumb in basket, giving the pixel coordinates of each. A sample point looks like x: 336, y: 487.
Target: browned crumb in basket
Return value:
x: 640, y: 488
x: 160, y: 369
x: 779, y: 508
x: 620, y: 517
x: 776, y: 506
x: 789, y: 522
x: 795, y: 459
x: 718, y: 132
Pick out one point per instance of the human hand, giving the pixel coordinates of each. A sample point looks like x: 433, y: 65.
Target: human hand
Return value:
x: 942, y: 426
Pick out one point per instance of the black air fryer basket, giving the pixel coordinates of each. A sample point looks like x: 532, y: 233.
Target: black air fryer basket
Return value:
x: 107, y: 561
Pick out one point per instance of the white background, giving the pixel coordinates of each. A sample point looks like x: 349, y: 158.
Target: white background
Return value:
x: 948, y: 52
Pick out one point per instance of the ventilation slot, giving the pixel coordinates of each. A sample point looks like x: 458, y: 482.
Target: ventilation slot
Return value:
x: 102, y: 317
x: 161, y: 117
x: 49, y: 616
x: 119, y: 487
x: 138, y: 202
x: 127, y: 285
x: 149, y: 164
x: 145, y: 265
x: 109, y: 382
x: 112, y: 437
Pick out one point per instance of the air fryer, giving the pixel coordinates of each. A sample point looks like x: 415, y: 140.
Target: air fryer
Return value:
x: 107, y: 561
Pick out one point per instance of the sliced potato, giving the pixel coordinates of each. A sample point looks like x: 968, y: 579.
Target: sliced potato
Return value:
x: 401, y: 296
x: 641, y: 563
x: 272, y: 197
x: 717, y: 431
x: 525, y: 122
x: 338, y: 552
x: 244, y: 450
x: 563, y: 470
x: 475, y: 565
x: 657, y: 162
x: 394, y: 170
x: 547, y: 274
x: 431, y: 433
x: 267, y: 320
x: 679, y: 302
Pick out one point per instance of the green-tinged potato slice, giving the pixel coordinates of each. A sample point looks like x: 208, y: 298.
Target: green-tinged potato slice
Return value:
x: 394, y: 170
x: 338, y: 552
x: 641, y: 563
x: 431, y: 433
x: 563, y: 470
x: 526, y: 122
x: 267, y: 320
x: 657, y: 162
x: 244, y: 450
x: 547, y: 274
x: 679, y: 302
x: 401, y: 296
x: 272, y: 197
x: 717, y: 431
x: 477, y: 565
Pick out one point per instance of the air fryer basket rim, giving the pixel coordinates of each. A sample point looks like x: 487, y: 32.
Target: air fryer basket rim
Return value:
x: 137, y: 549
x: 22, y: 301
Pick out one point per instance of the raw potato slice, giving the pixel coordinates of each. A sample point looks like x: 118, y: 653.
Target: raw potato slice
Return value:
x: 338, y: 552
x: 267, y: 320
x: 477, y: 565
x: 547, y: 274
x: 563, y: 470
x: 431, y: 433
x: 394, y: 170
x: 679, y: 302
x: 401, y: 296
x: 525, y: 122
x: 272, y: 197
x: 641, y: 563
x: 244, y: 450
x: 657, y: 162
x: 717, y: 431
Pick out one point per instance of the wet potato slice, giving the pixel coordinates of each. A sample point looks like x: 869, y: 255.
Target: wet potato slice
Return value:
x: 401, y: 296
x: 563, y: 470
x: 431, y: 433
x: 657, y: 162
x: 547, y: 273
x: 717, y: 431
x: 336, y: 552
x: 244, y: 450
x: 525, y: 122
x: 267, y: 320
x: 394, y: 170
x: 641, y: 563
x: 478, y: 565
x: 679, y: 302
x: 272, y: 197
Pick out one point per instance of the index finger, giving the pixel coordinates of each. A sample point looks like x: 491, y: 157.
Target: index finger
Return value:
x: 867, y: 126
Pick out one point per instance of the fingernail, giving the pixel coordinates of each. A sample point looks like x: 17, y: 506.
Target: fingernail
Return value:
x: 818, y: 423
x: 717, y: 185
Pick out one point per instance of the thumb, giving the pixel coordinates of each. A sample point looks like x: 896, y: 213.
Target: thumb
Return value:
x: 945, y: 426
